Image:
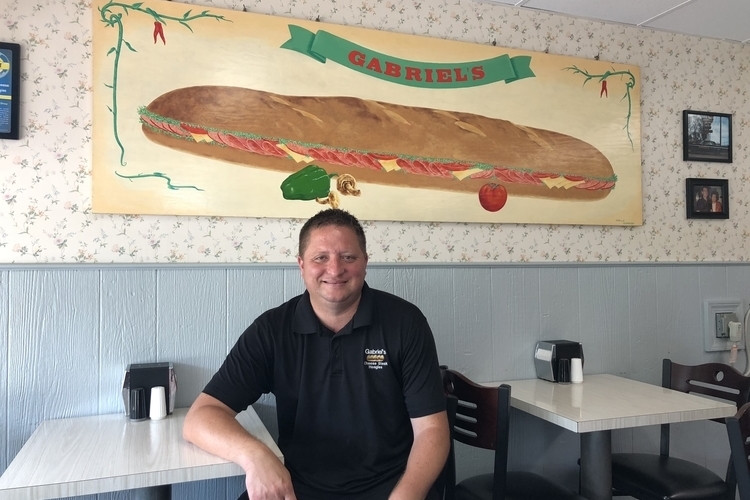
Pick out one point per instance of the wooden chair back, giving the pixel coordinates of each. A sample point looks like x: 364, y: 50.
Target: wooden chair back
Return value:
x: 716, y: 380
x: 738, y: 430
x: 446, y: 482
x: 482, y: 420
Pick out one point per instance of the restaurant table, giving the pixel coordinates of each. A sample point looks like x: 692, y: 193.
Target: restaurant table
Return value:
x: 602, y: 403
x: 102, y: 453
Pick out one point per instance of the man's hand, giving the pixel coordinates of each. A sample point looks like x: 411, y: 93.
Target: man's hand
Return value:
x: 211, y: 425
x: 267, y: 478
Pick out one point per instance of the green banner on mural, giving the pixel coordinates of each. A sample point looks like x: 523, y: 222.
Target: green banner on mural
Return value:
x: 323, y: 46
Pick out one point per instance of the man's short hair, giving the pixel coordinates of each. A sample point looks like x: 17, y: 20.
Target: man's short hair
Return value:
x: 331, y: 217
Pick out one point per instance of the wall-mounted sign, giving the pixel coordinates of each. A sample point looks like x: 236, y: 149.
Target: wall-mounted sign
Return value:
x: 10, y: 88
x: 224, y: 113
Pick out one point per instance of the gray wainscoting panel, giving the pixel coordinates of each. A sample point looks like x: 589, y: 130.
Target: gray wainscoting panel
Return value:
x: 127, y: 331
x: 678, y: 316
x: 250, y: 292
x: 53, y: 349
x: 516, y: 322
x: 738, y: 280
x: 432, y: 290
x: 473, y: 335
x: 67, y: 334
x: 603, y: 320
x: 559, y: 303
x: 4, y: 359
x: 192, y: 326
x: 644, y: 356
x: 712, y: 281
x: 293, y: 284
x: 380, y: 278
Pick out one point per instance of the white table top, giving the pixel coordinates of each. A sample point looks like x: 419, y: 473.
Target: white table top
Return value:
x: 87, y: 455
x: 605, y: 402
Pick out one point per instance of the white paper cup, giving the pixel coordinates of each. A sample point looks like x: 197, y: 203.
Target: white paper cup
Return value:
x: 576, y: 370
x: 158, y: 406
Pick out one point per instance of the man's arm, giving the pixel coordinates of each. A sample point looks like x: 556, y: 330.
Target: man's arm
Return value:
x: 426, y: 459
x: 212, y: 426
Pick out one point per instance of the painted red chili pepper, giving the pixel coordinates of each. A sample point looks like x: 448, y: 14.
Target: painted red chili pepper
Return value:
x: 159, y: 31
x: 604, y: 89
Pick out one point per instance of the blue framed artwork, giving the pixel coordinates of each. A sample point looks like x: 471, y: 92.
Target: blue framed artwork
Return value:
x: 10, y: 86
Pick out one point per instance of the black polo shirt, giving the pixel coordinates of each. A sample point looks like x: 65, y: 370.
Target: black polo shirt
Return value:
x: 343, y: 401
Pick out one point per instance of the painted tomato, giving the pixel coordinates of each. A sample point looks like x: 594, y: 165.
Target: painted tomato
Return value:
x: 492, y: 197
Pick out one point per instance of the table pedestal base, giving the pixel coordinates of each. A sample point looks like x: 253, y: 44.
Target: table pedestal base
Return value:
x: 596, y: 465
x: 163, y: 492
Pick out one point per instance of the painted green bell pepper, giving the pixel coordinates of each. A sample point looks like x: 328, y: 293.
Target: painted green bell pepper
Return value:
x: 308, y: 184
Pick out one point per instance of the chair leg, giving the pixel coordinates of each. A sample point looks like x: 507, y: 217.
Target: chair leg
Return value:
x: 731, y: 480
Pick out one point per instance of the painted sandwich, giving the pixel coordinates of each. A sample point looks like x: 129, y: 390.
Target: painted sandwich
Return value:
x: 378, y: 142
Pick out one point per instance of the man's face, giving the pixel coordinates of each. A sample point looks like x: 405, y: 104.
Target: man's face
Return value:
x: 704, y: 192
x: 333, y: 267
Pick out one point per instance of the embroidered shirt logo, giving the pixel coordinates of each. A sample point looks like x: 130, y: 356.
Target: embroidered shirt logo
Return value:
x: 375, y: 359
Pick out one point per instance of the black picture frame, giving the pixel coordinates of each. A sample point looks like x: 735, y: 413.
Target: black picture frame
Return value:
x: 706, y: 136
x: 699, y: 198
x: 10, y: 90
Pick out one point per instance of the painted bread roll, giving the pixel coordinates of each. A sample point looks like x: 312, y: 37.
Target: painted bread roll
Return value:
x: 377, y: 142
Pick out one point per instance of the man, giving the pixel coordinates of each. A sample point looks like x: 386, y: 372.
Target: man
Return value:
x: 703, y: 204
x: 360, y: 404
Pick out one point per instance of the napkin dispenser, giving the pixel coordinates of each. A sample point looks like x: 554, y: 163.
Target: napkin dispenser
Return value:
x: 146, y: 376
x: 548, y: 354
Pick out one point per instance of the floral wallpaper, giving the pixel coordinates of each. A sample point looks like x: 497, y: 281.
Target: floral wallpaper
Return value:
x: 45, y: 177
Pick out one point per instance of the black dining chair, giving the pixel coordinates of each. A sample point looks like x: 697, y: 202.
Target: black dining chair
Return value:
x: 482, y: 420
x: 446, y: 481
x: 738, y: 430
x: 663, y: 477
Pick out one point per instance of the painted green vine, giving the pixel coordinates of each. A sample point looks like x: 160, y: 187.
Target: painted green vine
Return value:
x: 113, y: 19
x: 629, y: 84
x: 160, y: 176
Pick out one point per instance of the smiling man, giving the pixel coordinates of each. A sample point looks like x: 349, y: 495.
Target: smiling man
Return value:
x: 354, y: 370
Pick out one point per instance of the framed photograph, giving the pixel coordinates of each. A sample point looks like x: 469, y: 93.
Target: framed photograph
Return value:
x: 706, y: 136
x: 707, y: 198
x: 10, y: 87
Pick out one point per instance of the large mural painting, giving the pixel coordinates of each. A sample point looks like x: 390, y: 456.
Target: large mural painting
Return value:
x: 224, y: 113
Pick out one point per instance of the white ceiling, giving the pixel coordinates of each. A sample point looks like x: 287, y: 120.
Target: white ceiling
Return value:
x: 722, y: 19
